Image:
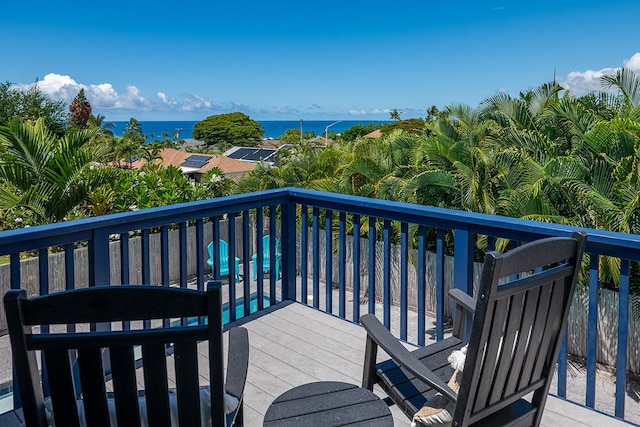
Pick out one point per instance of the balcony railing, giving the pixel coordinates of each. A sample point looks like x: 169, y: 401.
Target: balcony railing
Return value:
x: 401, y: 256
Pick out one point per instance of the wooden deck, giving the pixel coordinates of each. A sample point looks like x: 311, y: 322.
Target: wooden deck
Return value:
x: 293, y: 344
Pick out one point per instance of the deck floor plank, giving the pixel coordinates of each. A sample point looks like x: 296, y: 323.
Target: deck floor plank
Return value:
x: 297, y: 344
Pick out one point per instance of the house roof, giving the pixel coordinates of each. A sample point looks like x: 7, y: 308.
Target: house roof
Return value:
x: 197, y: 163
x: 374, y: 134
x: 321, y: 140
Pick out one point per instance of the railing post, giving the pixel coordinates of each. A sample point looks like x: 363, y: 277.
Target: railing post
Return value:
x: 464, y: 244
x: 440, y: 297
x: 288, y: 251
x: 99, y: 265
x: 623, y: 331
x: 592, y: 331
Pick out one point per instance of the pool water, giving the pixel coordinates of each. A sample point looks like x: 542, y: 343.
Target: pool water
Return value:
x: 253, y: 307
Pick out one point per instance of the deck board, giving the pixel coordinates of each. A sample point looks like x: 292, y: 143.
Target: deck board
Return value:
x: 297, y: 344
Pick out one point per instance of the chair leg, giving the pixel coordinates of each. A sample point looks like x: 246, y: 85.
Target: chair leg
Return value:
x: 369, y: 371
x: 240, y: 417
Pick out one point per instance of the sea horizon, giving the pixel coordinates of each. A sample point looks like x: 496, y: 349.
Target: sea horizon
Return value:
x: 272, y: 128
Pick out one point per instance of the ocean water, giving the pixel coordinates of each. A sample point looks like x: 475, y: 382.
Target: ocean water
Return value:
x: 272, y: 128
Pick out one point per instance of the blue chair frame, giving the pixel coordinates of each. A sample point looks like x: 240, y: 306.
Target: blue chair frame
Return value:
x: 266, y: 258
x: 224, y: 259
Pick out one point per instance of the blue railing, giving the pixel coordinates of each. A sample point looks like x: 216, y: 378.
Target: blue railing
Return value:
x: 396, y: 257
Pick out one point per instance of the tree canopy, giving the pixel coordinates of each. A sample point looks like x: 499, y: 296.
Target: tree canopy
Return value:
x: 228, y: 129
x: 80, y: 110
x: 29, y: 106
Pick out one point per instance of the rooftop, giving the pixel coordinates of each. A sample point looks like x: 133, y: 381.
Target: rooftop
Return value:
x: 173, y: 157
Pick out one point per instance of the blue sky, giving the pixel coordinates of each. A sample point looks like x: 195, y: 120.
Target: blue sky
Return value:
x: 286, y: 60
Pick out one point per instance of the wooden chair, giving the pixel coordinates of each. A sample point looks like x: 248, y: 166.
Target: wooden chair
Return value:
x: 224, y: 259
x: 266, y: 257
x: 120, y: 348
x: 523, y: 302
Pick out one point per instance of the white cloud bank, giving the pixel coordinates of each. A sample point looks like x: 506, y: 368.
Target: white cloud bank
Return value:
x: 582, y: 82
x: 104, y: 96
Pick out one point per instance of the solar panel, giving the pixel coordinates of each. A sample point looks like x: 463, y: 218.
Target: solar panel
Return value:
x: 252, y: 154
x: 259, y: 154
x: 241, y: 153
x: 195, y: 161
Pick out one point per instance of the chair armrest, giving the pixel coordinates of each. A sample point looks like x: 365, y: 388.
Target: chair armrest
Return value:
x: 460, y: 297
x: 403, y: 357
x: 237, y: 361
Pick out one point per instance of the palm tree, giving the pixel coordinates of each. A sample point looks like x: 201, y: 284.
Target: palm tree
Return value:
x: 628, y: 82
x: 98, y: 121
x: 48, y: 175
x: 395, y: 114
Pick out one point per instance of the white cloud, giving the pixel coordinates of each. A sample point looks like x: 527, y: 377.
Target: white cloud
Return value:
x: 195, y: 102
x: 357, y: 112
x: 633, y: 62
x: 105, y: 96
x: 583, y: 82
x: 165, y: 99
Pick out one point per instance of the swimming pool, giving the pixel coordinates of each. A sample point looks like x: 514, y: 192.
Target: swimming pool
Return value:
x: 253, y: 307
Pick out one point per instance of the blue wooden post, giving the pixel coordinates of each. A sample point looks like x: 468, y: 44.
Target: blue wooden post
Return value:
x: 200, y: 254
x: 328, y: 260
x: 562, y: 366
x: 164, y: 259
x: 464, y: 243
x: 623, y: 335
x: 421, y: 283
x: 215, y: 239
x: 404, y: 273
x: 124, y: 258
x: 259, y: 258
x: 342, y: 259
x: 440, y: 257
x: 246, y: 268
x: 592, y: 331
x: 386, y: 273
x: 356, y: 268
x: 304, y: 254
x: 99, y: 265
x: 146, y: 260
x: 288, y: 264
x: 315, y: 255
x: 43, y: 278
x: 272, y: 251
x: 182, y: 235
x: 231, y: 224
x: 372, y: 265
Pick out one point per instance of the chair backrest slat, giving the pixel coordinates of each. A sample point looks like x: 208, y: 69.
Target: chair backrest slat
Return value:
x: 62, y: 388
x: 154, y: 362
x: 522, y: 306
x: 94, y: 393
x: 505, y: 362
x: 125, y: 389
x: 187, y: 383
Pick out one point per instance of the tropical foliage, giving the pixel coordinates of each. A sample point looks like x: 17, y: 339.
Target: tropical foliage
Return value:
x: 46, y: 175
x: 228, y: 129
x: 29, y: 106
x: 545, y: 155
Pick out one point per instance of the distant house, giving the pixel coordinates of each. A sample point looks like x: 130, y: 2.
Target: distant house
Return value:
x: 321, y: 140
x: 375, y: 134
x: 195, y: 165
